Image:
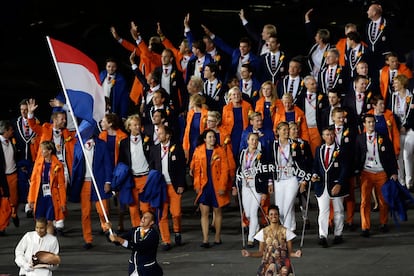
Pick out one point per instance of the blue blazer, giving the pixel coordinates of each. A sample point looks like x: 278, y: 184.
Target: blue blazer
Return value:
x: 119, y: 94
x: 266, y: 139
x: 235, y: 54
x: 101, y: 167
x: 122, y: 181
x: 335, y: 173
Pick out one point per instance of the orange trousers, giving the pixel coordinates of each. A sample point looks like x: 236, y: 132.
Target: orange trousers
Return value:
x: 86, y: 207
x: 368, y: 181
x: 14, y: 194
x: 138, y: 207
x: 350, y: 201
x: 315, y: 139
x: 174, y: 203
x: 5, y: 212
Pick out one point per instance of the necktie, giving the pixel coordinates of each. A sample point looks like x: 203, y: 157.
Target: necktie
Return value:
x: 359, y: 96
x: 165, y: 148
x: 309, y: 96
x: 57, y: 132
x: 26, y: 129
x: 273, y: 63
x: 245, y: 85
x: 89, y: 145
x: 6, y: 141
x: 292, y: 81
x: 330, y: 78
x: 327, y: 157
x: 142, y: 233
x: 166, y: 71
x: 241, y: 57
x: 210, y: 91
x: 352, y: 55
x: 338, y: 129
x: 374, y: 31
x: 369, y: 137
x: 392, y: 80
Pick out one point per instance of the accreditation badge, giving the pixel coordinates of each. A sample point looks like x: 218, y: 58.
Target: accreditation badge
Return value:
x: 46, y: 189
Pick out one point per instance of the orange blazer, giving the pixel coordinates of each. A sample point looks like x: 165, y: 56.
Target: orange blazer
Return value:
x: 393, y: 131
x: 228, y: 116
x: 148, y: 61
x: 57, y: 185
x: 119, y: 135
x: 45, y: 132
x: 177, y: 54
x: 300, y: 119
x: 225, y: 143
x: 219, y: 172
x: 203, y: 124
x: 276, y: 105
x: 385, y: 77
x: 341, y: 46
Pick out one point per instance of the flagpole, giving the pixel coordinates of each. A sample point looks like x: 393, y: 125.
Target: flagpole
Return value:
x: 88, y: 165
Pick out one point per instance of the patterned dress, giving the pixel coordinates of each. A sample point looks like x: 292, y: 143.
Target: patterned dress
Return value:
x: 275, y: 253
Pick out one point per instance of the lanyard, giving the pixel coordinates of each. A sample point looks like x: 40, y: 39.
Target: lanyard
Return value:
x: 374, y: 144
x: 249, y: 158
x: 310, y: 103
x: 283, y: 155
x: 165, y: 152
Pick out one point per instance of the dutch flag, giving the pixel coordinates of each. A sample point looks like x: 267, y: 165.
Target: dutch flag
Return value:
x: 79, y: 76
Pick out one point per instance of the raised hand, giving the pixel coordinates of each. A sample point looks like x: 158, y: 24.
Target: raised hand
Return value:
x: 114, y: 33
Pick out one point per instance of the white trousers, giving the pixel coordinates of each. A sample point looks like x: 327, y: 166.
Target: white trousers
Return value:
x: 324, y: 209
x: 405, y: 159
x: 251, y: 204
x: 285, y: 196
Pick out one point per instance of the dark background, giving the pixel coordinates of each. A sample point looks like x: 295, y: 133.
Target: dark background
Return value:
x: 27, y: 69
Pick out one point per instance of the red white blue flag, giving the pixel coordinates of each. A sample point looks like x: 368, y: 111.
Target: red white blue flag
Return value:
x: 79, y: 76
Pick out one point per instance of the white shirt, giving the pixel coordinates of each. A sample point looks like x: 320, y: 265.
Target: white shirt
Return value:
x: 184, y: 62
x: 89, y: 150
x: 247, y: 87
x: 165, y: 78
x: 372, y: 160
x: 150, y: 94
x: 164, y: 162
x: 8, y: 155
x: 331, y: 150
x: 310, y: 110
x: 28, y: 246
x: 317, y: 56
x: 198, y: 68
x: 139, y: 164
x: 338, y: 134
x: 260, y: 237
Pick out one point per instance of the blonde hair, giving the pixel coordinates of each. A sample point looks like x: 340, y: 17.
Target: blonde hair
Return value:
x: 274, y: 94
x: 234, y: 89
x: 133, y: 117
x: 215, y: 114
x: 197, y: 100
x: 270, y: 29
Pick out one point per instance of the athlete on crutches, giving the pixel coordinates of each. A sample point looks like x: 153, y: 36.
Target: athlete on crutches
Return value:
x: 250, y: 187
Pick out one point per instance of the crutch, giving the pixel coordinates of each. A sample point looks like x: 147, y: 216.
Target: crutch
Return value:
x: 260, y: 206
x: 306, y: 215
x: 241, y: 215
